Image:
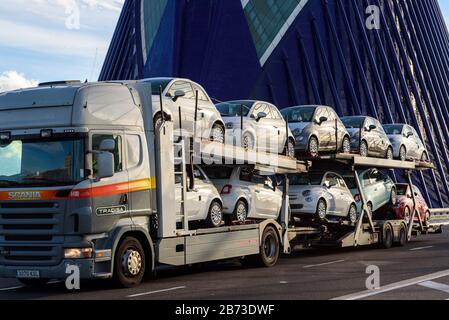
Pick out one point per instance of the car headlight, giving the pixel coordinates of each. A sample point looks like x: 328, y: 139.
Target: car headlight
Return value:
x: 307, y: 193
x: 297, y: 132
x: 78, y: 253
x: 229, y: 126
x: 309, y: 199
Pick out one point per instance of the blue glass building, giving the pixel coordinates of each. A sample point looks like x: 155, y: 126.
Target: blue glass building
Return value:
x: 293, y: 52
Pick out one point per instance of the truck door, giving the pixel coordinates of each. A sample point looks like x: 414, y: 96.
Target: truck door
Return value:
x: 141, y: 184
x: 110, y: 197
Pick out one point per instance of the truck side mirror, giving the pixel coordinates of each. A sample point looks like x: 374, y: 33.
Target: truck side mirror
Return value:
x: 178, y: 94
x: 106, y: 165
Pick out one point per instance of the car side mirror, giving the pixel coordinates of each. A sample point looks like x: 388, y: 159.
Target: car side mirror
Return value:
x: 371, y: 128
x: 106, y: 165
x: 321, y: 121
x: 178, y: 94
x: 408, y: 135
x: 107, y: 145
x: 260, y: 116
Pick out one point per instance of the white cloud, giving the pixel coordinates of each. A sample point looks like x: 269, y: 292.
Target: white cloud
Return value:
x: 12, y: 80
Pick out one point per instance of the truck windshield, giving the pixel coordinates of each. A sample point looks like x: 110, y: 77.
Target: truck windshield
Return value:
x: 37, y: 163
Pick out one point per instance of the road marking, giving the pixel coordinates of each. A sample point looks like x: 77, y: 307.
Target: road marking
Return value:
x: 394, y: 286
x: 421, y: 248
x: 435, y: 286
x: 323, y: 264
x: 283, y: 282
x: 12, y: 288
x: 154, y: 292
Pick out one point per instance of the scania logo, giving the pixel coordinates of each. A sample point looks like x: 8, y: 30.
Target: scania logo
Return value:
x: 24, y: 195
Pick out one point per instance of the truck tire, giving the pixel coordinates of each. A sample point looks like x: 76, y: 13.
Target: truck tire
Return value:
x: 387, y: 236
x: 34, y: 283
x: 269, y: 250
x: 129, y: 263
x: 402, y: 236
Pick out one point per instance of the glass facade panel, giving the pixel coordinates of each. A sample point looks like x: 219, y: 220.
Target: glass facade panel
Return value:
x: 152, y: 12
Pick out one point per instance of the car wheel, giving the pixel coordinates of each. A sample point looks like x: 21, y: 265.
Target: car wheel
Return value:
x: 218, y: 134
x: 248, y: 142
x: 130, y: 263
x: 313, y: 147
x: 269, y: 250
x: 321, y: 209
x: 387, y: 237
x: 425, y: 157
x: 346, y: 145
x: 241, y: 211
x: 352, y: 214
x: 407, y: 214
x: 393, y: 197
x: 290, y: 149
x: 364, y: 149
x: 403, y: 154
x: 157, y: 122
x: 389, y: 155
x: 215, y: 215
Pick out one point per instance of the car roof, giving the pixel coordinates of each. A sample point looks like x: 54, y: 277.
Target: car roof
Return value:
x: 307, y: 106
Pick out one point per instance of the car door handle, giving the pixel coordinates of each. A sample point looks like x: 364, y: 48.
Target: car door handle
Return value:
x: 257, y: 191
x: 124, y: 199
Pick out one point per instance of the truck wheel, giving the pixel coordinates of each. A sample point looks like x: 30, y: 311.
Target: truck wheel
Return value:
x: 130, y: 263
x: 402, y: 238
x: 387, y: 237
x: 269, y: 250
x: 215, y: 215
x: 34, y: 283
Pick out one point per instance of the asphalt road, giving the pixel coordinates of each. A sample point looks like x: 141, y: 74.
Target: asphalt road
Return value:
x: 418, y: 271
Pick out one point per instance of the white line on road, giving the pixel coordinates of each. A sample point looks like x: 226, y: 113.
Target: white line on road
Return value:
x: 154, y: 292
x: 421, y: 248
x: 394, y: 286
x: 12, y: 288
x: 323, y: 264
x: 435, y: 286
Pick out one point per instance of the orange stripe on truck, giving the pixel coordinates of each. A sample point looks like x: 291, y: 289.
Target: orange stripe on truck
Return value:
x: 95, y: 192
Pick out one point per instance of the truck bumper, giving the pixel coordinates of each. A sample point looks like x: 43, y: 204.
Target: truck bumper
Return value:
x: 86, y: 268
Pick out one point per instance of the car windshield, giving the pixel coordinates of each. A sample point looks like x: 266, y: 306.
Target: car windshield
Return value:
x: 218, y: 173
x: 393, y: 129
x: 234, y: 109
x: 156, y: 85
x: 299, y: 115
x: 401, y: 189
x: 310, y: 179
x: 36, y: 163
x: 353, y: 122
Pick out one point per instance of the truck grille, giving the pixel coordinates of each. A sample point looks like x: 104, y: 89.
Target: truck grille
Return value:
x: 31, y: 233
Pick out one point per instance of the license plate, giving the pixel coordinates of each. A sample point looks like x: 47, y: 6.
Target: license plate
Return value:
x: 28, y: 274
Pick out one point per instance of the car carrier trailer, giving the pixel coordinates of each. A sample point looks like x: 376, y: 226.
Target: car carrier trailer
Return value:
x: 134, y: 245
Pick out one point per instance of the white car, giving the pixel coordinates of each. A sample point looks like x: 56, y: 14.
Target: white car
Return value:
x: 203, y: 202
x: 181, y: 93
x: 264, y: 128
x: 321, y: 195
x: 246, y: 193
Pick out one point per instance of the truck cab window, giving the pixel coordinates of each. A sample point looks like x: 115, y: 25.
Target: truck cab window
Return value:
x: 133, y: 151
x: 118, y: 156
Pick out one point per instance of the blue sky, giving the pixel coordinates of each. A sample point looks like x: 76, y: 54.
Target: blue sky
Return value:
x: 45, y: 40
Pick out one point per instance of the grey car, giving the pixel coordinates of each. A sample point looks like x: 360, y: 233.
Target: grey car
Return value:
x: 406, y: 142
x: 368, y: 137
x: 317, y: 129
x: 263, y: 126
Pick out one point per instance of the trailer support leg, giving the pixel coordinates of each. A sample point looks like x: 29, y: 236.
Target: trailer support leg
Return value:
x: 285, y: 217
x: 415, y: 212
x: 365, y: 211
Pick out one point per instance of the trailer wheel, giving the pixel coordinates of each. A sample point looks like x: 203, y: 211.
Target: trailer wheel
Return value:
x: 130, y: 263
x: 269, y: 250
x: 402, y: 237
x: 387, y: 237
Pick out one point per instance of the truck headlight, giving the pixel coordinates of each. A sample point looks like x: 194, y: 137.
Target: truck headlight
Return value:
x: 78, y: 253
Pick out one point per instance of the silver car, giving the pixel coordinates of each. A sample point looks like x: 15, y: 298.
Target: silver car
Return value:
x: 317, y: 129
x: 257, y: 125
x: 378, y: 188
x: 181, y: 94
x: 368, y: 137
x: 203, y: 202
x: 406, y: 142
x: 321, y: 195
